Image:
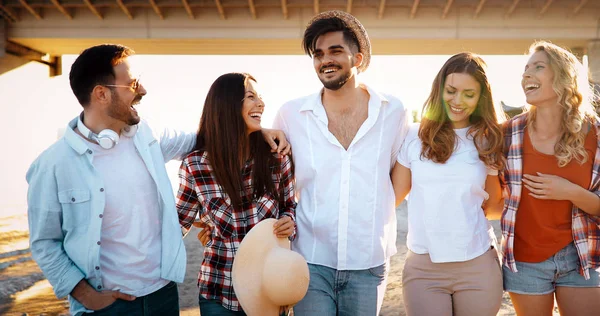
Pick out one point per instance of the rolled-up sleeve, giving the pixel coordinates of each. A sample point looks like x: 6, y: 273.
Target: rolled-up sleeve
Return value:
x: 45, y: 231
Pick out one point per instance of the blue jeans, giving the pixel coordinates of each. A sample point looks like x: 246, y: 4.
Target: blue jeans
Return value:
x: 334, y: 292
x: 164, y: 302
x: 561, y: 269
x: 214, y: 308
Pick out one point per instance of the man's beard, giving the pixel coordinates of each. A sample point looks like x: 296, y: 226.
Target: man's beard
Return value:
x: 339, y: 83
x: 122, y: 112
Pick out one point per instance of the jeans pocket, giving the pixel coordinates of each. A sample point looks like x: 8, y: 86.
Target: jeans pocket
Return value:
x: 379, y: 271
x: 107, y: 310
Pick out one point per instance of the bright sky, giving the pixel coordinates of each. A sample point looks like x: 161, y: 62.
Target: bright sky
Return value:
x: 35, y: 106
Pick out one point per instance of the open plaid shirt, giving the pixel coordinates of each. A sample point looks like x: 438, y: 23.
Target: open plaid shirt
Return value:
x: 200, y: 192
x: 585, y: 227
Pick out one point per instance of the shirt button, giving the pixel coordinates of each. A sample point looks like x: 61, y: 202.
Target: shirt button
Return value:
x: 100, y: 215
x: 89, y: 151
x: 72, y: 199
x: 99, y: 287
x: 101, y: 189
x: 97, y: 268
x: 97, y: 243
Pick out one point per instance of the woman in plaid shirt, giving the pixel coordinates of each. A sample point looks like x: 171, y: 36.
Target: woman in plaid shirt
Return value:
x: 551, y: 222
x: 232, y: 181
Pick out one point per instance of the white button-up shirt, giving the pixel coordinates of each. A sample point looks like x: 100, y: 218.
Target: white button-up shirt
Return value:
x: 345, y: 215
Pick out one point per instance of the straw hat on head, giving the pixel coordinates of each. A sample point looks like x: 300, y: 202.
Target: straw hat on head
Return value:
x: 364, y: 44
x: 266, y: 274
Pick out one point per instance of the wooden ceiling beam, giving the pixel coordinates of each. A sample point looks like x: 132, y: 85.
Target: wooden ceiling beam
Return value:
x: 579, y: 6
x: 62, y: 9
x: 124, y: 9
x: 156, y: 9
x: 512, y: 8
x: 479, y: 8
x: 188, y: 9
x: 252, y: 9
x: 30, y: 9
x: 9, y: 13
x: 284, y: 9
x: 92, y: 8
x: 447, y: 8
x: 545, y: 8
x: 220, y: 9
x: 381, y: 10
x: 413, y: 10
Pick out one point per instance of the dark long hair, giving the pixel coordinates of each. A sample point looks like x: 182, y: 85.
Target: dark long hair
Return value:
x: 436, y: 133
x: 222, y: 133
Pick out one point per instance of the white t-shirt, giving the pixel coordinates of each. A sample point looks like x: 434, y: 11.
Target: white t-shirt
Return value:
x: 130, y: 250
x: 445, y: 218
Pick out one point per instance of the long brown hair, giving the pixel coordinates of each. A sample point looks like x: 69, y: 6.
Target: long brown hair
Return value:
x: 223, y: 135
x: 436, y: 133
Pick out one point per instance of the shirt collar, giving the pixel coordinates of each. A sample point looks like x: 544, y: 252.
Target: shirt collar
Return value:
x: 71, y: 137
x: 314, y: 102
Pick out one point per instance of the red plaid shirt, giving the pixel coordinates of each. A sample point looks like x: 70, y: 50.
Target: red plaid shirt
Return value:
x: 585, y: 227
x: 200, y: 192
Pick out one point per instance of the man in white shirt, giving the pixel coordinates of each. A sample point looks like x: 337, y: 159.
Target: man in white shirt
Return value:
x: 345, y: 140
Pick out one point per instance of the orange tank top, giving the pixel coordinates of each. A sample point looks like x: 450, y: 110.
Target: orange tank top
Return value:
x: 543, y: 227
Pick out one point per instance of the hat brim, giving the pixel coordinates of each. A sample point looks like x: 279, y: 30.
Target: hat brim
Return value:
x: 246, y: 272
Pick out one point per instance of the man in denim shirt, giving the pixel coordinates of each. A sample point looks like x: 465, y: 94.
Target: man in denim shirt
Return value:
x: 102, y: 219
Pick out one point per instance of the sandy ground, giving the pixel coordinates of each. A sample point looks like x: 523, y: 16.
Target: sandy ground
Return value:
x: 24, y: 291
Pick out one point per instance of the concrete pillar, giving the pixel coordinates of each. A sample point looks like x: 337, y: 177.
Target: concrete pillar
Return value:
x: 3, y: 37
x: 579, y: 52
x: 593, y: 52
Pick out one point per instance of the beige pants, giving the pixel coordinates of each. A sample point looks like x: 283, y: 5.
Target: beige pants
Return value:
x: 470, y: 288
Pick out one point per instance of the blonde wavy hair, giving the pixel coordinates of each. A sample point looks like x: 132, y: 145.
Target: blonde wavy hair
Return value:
x: 575, y: 97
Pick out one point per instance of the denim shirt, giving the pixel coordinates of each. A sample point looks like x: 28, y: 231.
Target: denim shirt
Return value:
x: 66, y: 201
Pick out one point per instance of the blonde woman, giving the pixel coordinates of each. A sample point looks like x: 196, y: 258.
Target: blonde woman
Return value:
x: 550, y: 222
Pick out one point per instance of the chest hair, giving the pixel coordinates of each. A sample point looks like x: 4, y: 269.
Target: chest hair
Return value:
x: 345, y: 123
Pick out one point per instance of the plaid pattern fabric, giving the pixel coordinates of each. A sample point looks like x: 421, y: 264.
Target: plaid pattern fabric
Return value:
x: 200, y: 193
x: 585, y: 227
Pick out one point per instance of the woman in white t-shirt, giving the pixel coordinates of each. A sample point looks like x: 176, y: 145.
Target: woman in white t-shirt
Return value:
x: 449, y: 164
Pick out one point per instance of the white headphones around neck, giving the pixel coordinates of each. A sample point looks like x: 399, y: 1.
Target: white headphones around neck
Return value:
x: 107, y: 138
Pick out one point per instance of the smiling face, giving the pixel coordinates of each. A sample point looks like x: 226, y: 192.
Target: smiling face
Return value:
x: 461, y: 95
x: 126, y: 96
x: 537, y: 81
x: 252, y: 107
x: 334, y: 60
